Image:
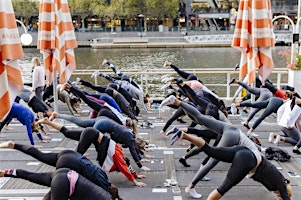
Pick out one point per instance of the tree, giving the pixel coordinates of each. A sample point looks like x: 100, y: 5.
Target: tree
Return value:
x: 25, y: 9
x: 110, y: 9
x: 82, y: 8
x: 153, y: 9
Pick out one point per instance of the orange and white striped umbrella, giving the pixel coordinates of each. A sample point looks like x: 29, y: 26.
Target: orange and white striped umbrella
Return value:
x: 254, y: 37
x: 10, y: 51
x: 56, y: 39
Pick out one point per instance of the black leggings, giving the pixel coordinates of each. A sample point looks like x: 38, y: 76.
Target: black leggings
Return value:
x: 37, y: 105
x: 89, y: 136
x: 6, y: 121
x: 271, y: 105
x: 102, y: 110
x: 202, y: 103
x: 60, y: 185
x: 124, y: 93
x: 186, y: 75
x: 69, y: 159
x: 48, y: 92
x: 98, y: 88
x: 124, y: 105
x: 85, y: 137
x: 103, y: 89
x: 180, y: 112
x: 243, y: 161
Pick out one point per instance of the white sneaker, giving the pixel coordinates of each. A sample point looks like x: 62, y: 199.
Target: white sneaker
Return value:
x: 178, y: 135
x: 252, y: 134
x: 165, y: 76
x: 95, y: 74
x: 167, y: 79
x: 168, y: 101
x: 167, y: 85
x: 77, y: 82
x: 271, y: 137
x: 104, y: 62
x: 191, y: 192
x: 233, y: 109
x: 277, y: 140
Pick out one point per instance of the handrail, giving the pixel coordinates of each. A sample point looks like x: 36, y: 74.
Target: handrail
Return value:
x: 150, y: 79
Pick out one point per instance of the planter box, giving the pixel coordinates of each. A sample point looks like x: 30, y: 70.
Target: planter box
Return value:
x: 294, y: 80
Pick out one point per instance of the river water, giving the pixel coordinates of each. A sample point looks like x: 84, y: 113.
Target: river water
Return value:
x: 154, y: 58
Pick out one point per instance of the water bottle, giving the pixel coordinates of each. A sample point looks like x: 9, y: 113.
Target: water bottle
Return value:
x: 174, y: 183
x: 160, y: 114
x: 173, y: 179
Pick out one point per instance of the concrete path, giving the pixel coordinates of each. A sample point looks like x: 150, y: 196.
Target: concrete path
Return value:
x: 165, y: 161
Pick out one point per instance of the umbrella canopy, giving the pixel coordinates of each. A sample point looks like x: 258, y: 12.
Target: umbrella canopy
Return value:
x: 56, y: 39
x: 254, y: 37
x: 10, y: 51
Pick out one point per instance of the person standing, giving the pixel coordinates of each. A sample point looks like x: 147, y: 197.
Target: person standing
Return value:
x: 38, y: 78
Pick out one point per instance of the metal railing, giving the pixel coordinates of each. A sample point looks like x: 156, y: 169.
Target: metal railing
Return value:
x: 216, y: 79
x: 286, y: 38
x: 150, y: 80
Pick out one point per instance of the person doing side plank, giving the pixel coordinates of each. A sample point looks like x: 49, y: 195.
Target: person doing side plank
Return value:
x: 65, y: 184
x: 244, y: 161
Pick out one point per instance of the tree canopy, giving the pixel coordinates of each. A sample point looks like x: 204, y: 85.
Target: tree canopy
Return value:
x: 113, y: 9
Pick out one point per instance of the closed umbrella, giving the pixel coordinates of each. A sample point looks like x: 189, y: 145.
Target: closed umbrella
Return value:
x: 10, y: 51
x: 254, y: 37
x: 56, y: 40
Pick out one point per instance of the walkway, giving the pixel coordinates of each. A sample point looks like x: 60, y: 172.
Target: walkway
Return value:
x: 166, y: 160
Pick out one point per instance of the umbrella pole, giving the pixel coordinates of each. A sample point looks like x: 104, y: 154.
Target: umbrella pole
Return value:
x: 55, y: 92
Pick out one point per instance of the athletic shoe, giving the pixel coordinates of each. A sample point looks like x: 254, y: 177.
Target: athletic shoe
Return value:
x: 176, y: 137
x: 277, y: 140
x: 165, y: 76
x: 166, y: 86
x: 167, y: 79
x: 271, y: 137
x: 236, y: 67
x: 177, y: 80
x: 296, y: 151
x: 167, y: 64
x: 181, y: 121
x: 183, y: 162
x: 105, y: 62
x: 95, y: 74
x: 247, y: 126
x: 172, y: 131
x: 78, y: 82
x: 232, y: 81
x: 233, y: 109
x: 191, y: 192
x: 168, y: 101
x: 252, y: 134
x: 205, y: 178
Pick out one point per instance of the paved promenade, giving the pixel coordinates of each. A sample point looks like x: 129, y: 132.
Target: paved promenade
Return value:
x: 165, y: 161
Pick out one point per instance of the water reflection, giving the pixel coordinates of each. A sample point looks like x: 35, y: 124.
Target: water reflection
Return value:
x: 153, y: 58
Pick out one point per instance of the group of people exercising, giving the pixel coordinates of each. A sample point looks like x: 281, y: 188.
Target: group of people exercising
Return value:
x: 115, y: 111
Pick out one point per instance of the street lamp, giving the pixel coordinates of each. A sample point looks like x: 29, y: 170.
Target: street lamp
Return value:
x: 293, y: 79
x: 140, y: 16
x: 26, y: 38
